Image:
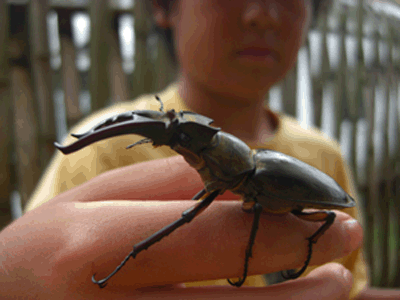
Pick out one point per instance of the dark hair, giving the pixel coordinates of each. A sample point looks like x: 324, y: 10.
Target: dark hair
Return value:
x: 166, y: 34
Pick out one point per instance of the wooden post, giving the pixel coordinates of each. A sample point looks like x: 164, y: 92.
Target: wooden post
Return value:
x: 388, y: 206
x: 289, y: 92
x: 69, y: 72
x: 372, y: 180
x: 377, y: 194
x: 118, y: 79
x: 385, y: 201
x: 6, y: 120
x: 355, y: 105
x: 38, y: 10
x: 26, y: 129
x: 143, y: 74
x: 319, y: 79
x: 100, y: 26
x: 396, y: 279
x: 341, y: 78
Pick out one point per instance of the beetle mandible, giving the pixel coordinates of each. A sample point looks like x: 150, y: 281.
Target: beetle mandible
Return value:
x: 265, y: 179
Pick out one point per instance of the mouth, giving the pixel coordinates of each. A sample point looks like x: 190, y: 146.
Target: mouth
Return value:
x: 255, y: 52
x: 256, y: 55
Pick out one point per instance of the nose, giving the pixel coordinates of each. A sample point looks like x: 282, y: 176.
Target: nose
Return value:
x: 259, y: 14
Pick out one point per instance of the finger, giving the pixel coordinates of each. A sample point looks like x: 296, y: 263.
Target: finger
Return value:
x: 162, y: 179
x: 333, y: 280
x: 212, y: 246
x: 329, y: 282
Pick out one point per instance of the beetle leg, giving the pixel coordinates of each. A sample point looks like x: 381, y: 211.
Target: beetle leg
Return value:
x: 143, y: 141
x: 199, y: 194
x: 248, y: 206
x: 162, y: 104
x: 257, y: 208
x: 187, y: 216
x: 319, y: 216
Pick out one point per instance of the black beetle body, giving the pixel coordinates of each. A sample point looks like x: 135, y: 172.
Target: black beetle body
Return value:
x: 223, y: 164
x: 284, y: 183
x: 266, y: 180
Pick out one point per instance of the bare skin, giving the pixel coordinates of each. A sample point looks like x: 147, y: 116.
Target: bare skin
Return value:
x: 81, y: 232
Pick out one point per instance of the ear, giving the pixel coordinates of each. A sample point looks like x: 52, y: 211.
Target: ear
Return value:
x: 160, y: 16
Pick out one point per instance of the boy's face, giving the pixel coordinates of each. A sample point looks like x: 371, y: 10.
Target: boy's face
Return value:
x: 238, y: 48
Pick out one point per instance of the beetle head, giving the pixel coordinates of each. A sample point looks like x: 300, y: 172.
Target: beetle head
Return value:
x: 187, y: 129
x: 194, y: 137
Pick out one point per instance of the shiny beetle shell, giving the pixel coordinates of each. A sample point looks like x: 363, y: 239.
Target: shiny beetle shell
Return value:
x: 282, y: 183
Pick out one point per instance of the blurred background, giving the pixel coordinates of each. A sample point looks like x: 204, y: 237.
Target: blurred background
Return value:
x: 62, y: 59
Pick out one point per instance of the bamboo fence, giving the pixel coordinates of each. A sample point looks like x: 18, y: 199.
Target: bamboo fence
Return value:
x: 34, y: 78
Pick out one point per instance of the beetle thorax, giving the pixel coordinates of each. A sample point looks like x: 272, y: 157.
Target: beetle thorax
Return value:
x: 226, y: 162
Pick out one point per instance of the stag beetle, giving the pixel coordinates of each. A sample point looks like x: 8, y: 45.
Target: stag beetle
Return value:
x: 265, y: 179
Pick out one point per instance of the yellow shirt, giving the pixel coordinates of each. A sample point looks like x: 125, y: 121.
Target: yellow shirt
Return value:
x: 67, y: 171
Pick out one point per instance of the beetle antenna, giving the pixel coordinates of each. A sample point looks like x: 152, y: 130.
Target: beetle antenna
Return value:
x: 144, y: 141
x: 162, y: 105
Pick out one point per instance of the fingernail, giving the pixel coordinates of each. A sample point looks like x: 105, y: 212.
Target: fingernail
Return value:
x: 354, y: 231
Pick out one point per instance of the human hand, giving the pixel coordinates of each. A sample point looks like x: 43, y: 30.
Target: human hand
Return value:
x: 56, y: 248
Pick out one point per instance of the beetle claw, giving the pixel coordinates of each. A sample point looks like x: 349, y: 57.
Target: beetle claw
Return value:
x: 101, y: 283
x: 237, y: 283
x: 291, y: 274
